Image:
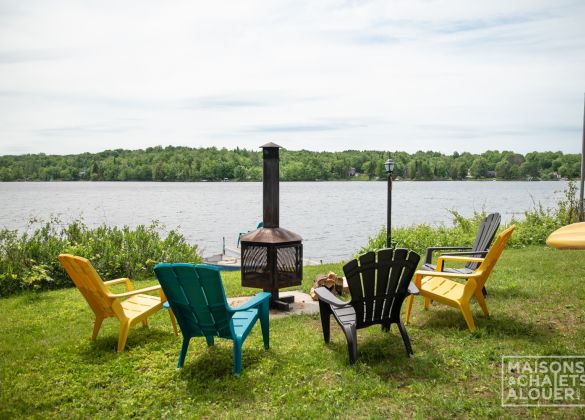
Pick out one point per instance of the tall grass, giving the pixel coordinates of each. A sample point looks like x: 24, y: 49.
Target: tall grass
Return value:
x: 533, y: 229
x: 29, y: 260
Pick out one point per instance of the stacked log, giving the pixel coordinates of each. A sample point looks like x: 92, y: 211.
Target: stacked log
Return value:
x: 336, y: 284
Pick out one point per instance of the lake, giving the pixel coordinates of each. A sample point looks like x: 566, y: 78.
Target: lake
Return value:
x: 334, y: 218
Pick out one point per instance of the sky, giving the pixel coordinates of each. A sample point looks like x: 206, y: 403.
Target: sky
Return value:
x: 443, y: 75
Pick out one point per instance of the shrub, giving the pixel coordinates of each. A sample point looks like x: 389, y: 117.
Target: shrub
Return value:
x: 420, y: 237
x: 536, y: 226
x: 29, y: 260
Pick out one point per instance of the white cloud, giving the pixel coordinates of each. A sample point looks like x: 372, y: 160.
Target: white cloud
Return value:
x: 406, y: 75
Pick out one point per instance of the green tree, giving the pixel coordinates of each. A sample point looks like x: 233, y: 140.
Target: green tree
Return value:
x: 503, y: 169
x: 240, y: 173
x: 478, y: 168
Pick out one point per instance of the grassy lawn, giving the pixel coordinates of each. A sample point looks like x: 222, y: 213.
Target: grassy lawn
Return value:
x: 49, y: 367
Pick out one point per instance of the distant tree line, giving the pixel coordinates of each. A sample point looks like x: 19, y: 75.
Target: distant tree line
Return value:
x: 212, y: 164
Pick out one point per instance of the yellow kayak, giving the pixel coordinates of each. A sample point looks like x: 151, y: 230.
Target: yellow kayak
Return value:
x: 568, y: 237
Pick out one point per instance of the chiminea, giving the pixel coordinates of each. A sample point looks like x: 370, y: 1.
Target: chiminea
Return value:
x: 272, y: 257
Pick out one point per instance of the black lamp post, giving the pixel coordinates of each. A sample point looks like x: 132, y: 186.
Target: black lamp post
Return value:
x: 389, y: 165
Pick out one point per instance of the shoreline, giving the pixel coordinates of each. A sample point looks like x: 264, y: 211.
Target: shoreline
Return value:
x: 319, y: 181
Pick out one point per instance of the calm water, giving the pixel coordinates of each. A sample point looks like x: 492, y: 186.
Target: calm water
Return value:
x: 334, y: 218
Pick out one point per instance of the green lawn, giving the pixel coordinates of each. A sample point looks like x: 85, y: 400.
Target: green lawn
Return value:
x: 49, y: 367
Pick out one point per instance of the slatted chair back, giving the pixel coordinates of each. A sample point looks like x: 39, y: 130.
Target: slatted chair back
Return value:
x: 89, y: 283
x: 487, y: 265
x: 197, y: 298
x: 485, y: 236
x: 378, y: 286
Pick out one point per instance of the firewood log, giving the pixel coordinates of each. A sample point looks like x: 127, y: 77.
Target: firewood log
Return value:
x: 320, y: 280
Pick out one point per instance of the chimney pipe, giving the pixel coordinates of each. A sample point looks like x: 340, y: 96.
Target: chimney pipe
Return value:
x: 270, y: 184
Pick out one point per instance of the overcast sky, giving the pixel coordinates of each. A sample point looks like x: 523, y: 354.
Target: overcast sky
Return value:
x: 408, y: 75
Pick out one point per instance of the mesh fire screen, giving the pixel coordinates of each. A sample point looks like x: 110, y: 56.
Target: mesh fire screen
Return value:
x: 272, y: 266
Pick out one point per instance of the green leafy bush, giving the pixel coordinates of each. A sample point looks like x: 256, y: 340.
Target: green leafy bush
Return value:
x: 533, y: 229
x: 420, y: 237
x: 29, y: 260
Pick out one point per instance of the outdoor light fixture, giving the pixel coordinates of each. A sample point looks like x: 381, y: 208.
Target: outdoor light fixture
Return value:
x: 389, y: 165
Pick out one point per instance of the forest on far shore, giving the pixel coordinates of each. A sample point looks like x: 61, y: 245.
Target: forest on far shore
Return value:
x: 211, y: 164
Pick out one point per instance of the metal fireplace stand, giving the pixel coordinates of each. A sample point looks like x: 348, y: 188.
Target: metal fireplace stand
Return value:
x: 272, y: 257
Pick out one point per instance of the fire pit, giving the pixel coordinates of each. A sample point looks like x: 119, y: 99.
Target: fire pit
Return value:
x: 272, y: 257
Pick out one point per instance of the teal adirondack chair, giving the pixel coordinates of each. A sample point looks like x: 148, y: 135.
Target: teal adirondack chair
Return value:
x: 196, y: 295
x: 258, y: 226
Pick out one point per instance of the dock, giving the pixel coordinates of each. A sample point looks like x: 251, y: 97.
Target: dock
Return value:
x: 230, y: 260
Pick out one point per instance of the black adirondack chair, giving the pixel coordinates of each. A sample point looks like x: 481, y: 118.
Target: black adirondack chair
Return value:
x: 378, y: 287
x: 481, y: 245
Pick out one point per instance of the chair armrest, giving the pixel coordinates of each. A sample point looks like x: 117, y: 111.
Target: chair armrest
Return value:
x: 429, y: 253
x: 116, y: 281
x: 412, y: 289
x: 252, y: 303
x: 443, y: 258
x: 425, y: 273
x: 122, y: 280
x: 479, y: 253
x: 325, y: 295
x: 135, y: 292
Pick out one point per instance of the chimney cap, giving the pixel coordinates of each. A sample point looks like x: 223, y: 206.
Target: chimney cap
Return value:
x: 271, y: 145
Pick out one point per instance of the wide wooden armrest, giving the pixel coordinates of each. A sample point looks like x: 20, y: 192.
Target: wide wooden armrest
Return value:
x: 122, y: 280
x: 425, y: 273
x: 429, y: 253
x: 456, y: 258
x: 325, y: 295
x: 135, y: 292
x: 252, y: 303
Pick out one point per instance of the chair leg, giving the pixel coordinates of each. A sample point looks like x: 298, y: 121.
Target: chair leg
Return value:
x: 145, y: 322
x: 484, y: 291
x: 427, y: 303
x: 173, y: 321
x: 96, y: 326
x: 481, y: 301
x: 124, y: 328
x: 351, y: 336
x: 325, y: 312
x: 405, y: 338
x: 409, y: 301
x: 237, y: 357
x: 209, y: 340
x: 265, y: 324
x: 183, y: 353
x: 466, y: 310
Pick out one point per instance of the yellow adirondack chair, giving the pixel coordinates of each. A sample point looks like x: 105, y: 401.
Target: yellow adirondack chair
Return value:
x: 437, y: 286
x: 105, y: 304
